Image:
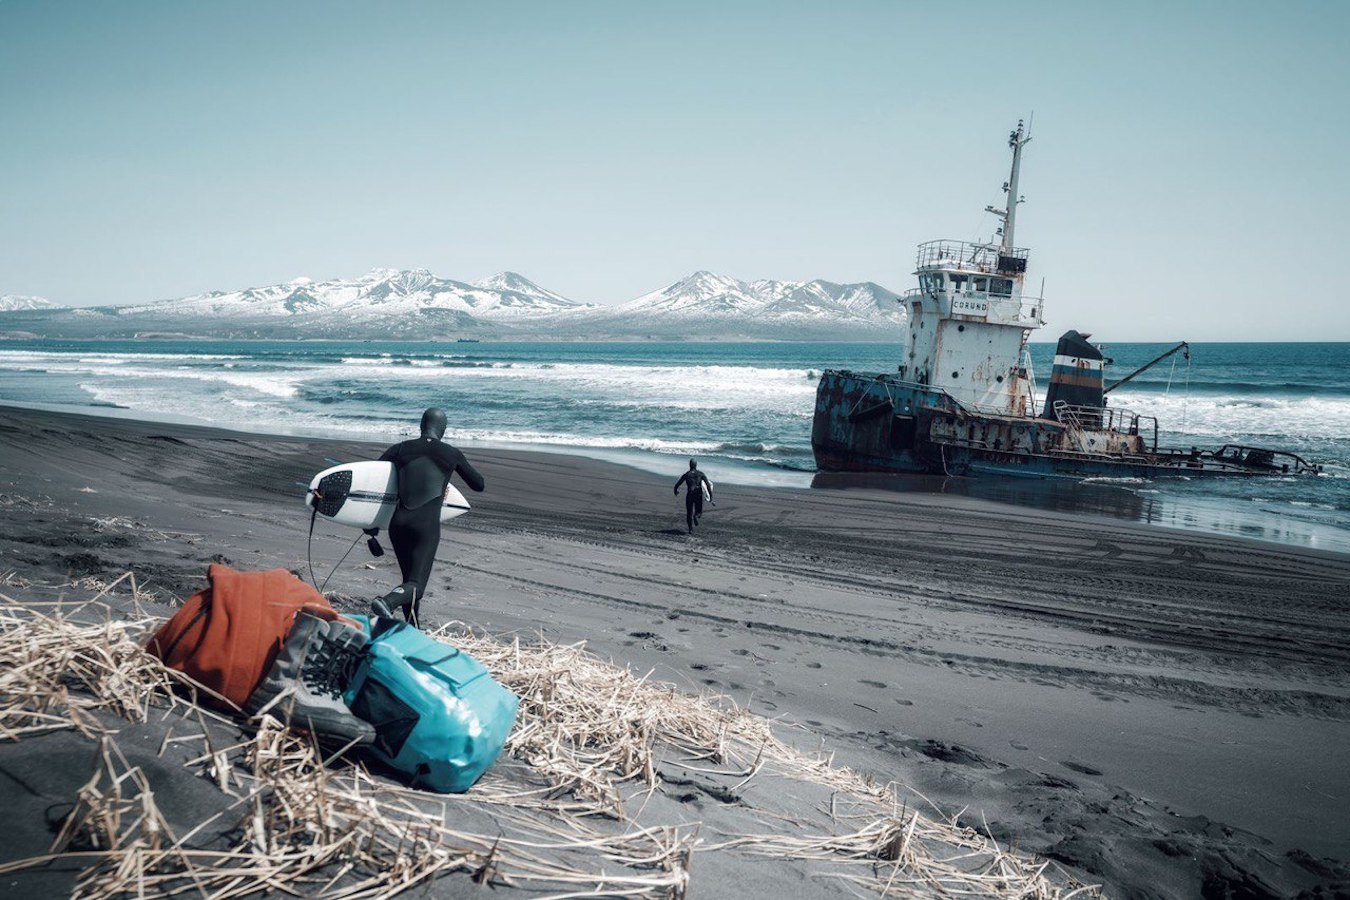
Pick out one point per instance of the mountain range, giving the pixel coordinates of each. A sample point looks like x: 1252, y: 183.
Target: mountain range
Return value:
x: 402, y: 304
x: 14, y: 303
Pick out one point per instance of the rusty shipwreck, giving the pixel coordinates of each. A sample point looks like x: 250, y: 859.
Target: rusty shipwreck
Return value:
x: 963, y: 399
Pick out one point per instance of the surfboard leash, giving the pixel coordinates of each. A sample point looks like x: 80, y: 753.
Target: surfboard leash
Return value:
x: 339, y: 563
x: 309, y: 546
x: 309, y: 554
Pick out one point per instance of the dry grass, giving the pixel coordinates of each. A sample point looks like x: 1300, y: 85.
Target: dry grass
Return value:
x: 321, y: 830
x: 113, y: 524
x: 587, y: 732
x: 588, y: 726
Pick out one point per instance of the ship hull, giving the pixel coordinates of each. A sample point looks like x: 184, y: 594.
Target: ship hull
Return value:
x: 879, y: 423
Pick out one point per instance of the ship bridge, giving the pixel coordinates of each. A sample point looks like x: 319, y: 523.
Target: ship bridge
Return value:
x: 975, y: 282
x: 969, y: 319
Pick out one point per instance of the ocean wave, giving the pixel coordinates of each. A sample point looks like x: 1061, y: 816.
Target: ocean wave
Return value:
x: 1229, y: 416
x: 562, y: 439
x: 1333, y: 385
x: 776, y: 451
x: 13, y: 357
x: 1106, y: 479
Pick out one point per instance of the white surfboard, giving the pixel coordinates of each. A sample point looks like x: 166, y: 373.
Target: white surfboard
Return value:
x: 365, y: 494
x: 707, y: 490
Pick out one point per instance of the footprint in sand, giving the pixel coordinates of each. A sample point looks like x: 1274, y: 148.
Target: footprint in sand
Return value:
x: 813, y: 665
x: 904, y: 702
x: 871, y: 683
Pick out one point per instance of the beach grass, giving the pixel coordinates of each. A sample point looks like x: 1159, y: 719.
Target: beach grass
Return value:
x: 571, y: 800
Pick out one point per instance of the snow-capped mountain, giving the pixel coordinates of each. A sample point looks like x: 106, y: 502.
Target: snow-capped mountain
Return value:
x: 524, y: 294
x: 705, y: 294
x: 415, y: 303
x: 702, y: 293
x: 719, y: 303
x: 13, y: 303
x: 380, y: 293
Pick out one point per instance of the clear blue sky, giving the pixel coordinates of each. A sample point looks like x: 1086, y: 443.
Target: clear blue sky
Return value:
x: 1187, y: 177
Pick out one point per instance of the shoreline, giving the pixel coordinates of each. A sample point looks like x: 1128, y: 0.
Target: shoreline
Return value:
x: 1099, y: 692
x: 1031, y: 493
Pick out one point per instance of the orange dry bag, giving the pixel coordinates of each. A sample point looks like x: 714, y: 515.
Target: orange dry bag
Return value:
x: 227, y: 636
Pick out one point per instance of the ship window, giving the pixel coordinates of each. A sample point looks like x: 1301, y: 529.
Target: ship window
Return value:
x: 981, y: 285
x: 958, y: 281
x: 1000, y: 286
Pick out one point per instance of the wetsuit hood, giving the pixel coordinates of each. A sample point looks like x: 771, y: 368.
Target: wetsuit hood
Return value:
x: 433, y: 423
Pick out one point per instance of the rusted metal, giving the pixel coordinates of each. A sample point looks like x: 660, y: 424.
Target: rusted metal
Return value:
x: 881, y: 423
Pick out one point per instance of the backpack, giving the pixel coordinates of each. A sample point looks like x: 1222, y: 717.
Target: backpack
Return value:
x: 227, y: 636
x: 439, y: 716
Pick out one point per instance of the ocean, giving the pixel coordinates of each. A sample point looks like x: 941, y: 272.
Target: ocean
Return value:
x: 744, y: 409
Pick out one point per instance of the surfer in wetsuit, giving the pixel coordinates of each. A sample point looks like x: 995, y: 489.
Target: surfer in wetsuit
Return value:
x: 693, y: 482
x: 424, y: 466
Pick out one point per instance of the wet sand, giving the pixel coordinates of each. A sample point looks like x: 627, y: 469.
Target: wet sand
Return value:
x: 1164, y: 711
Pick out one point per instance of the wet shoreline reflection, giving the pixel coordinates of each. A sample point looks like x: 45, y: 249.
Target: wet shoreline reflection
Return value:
x: 1187, y: 506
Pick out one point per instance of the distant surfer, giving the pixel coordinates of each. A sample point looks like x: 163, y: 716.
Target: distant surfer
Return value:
x: 696, y: 484
x: 424, y: 466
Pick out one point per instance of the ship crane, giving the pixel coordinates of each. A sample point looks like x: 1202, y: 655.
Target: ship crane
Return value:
x: 1150, y: 364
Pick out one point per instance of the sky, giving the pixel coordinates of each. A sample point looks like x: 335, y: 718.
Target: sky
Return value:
x: 1187, y: 176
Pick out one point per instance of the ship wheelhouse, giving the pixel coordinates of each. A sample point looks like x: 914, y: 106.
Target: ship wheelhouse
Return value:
x: 968, y: 325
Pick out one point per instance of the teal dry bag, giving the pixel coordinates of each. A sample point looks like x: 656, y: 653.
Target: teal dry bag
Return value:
x: 438, y: 715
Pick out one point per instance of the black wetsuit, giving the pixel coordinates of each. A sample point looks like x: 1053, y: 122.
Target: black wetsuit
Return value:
x: 693, y: 482
x: 424, y: 465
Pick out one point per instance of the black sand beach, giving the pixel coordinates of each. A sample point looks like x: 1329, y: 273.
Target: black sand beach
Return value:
x: 1166, y: 713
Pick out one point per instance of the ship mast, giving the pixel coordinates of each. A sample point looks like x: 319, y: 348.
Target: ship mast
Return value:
x: 1016, y: 141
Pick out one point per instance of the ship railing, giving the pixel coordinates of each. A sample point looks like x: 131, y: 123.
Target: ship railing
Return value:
x: 1016, y: 311
x: 969, y: 255
x: 1107, y: 418
x: 1243, y: 458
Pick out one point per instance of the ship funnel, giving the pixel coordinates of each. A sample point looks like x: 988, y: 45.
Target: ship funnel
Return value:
x: 1076, y: 379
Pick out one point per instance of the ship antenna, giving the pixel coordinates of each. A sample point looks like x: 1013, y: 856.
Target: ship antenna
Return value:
x: 1017, y: 140
x: 1020, y: 137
